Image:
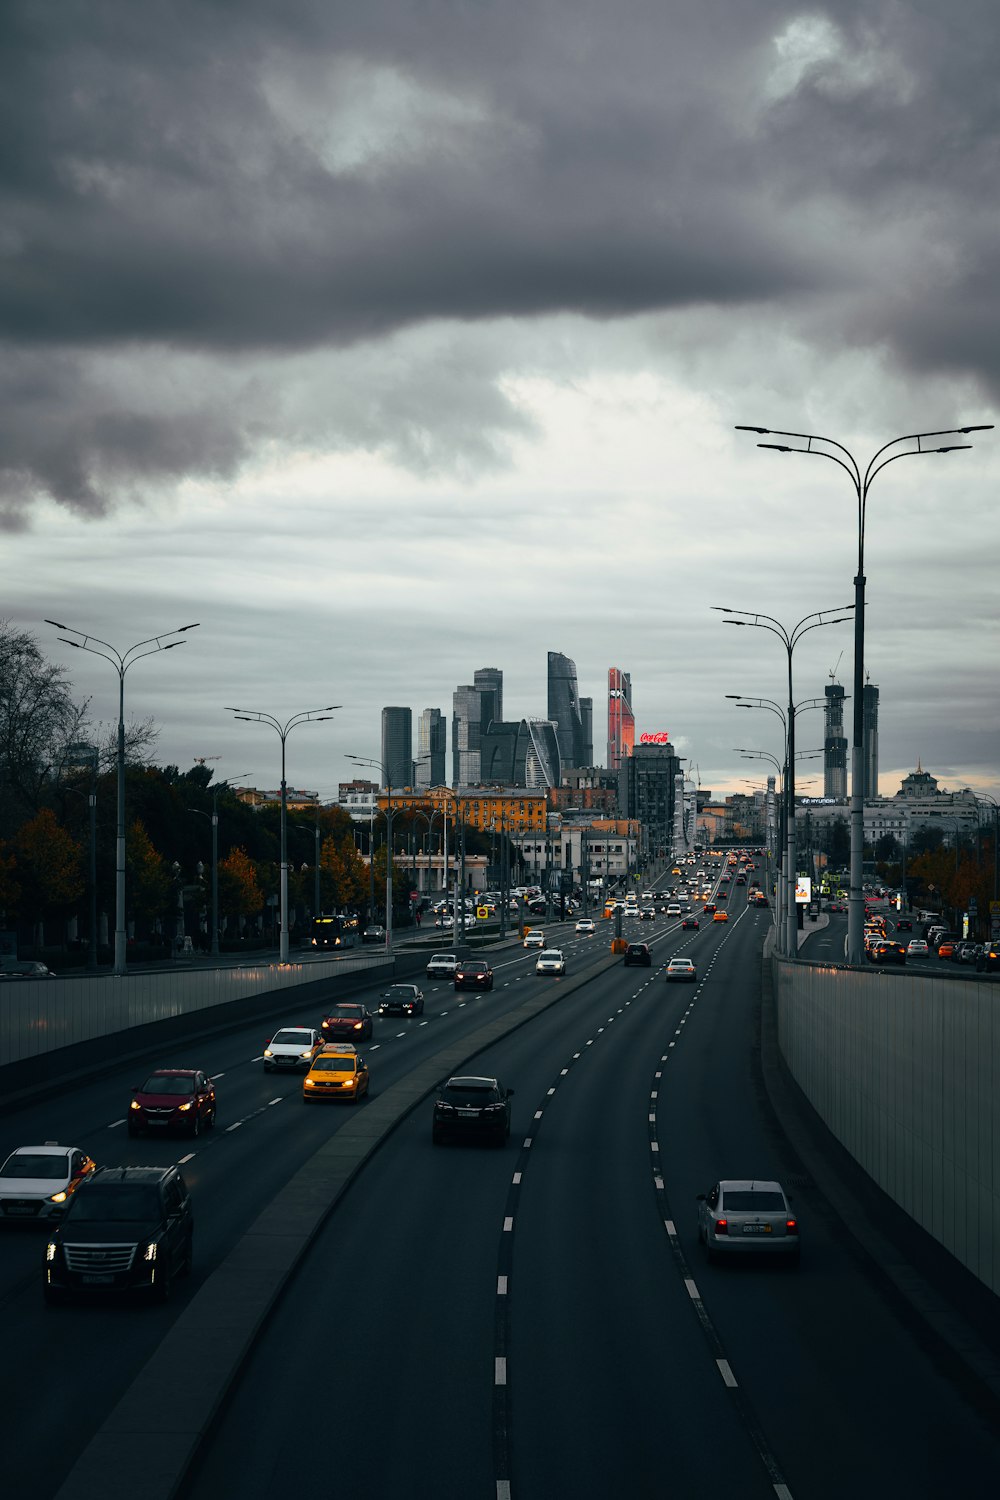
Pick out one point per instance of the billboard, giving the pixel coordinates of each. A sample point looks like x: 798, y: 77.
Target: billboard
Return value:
x: 803, y: 890
x: 661, y: 737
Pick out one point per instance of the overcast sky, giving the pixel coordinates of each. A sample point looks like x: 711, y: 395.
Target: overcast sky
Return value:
x: 391, y: 340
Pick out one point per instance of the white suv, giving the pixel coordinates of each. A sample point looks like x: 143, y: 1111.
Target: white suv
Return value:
x: 442, y: 966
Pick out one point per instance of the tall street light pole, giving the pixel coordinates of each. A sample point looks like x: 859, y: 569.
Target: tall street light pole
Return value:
x: 379, y: 765
x: 789, y: 638
x: 844, y: 459
x: 121, y: 661
x: 308, y: 716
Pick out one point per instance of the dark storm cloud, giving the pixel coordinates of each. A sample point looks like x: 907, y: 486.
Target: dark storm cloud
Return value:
x: 167, y: 187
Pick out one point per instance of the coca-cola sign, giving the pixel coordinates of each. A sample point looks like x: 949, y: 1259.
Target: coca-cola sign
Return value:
x: 660, y: 738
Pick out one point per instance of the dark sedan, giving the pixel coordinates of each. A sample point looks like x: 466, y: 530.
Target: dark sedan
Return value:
x: 638, y: 953
x: 474, y: 1107
x: 473, y: 974
x: 691, y: 922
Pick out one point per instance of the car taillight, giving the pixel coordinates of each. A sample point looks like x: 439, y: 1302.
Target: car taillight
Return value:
x: 791, y: 1226
x: 722, y: 1226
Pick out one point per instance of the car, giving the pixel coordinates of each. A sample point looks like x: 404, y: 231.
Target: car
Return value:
x: 36, y: 1182
x: 747, y: 1216
x: 722, y: 897
x: 337, y: 1072
x: 917, y: 948
x: 989, y: 960
x: 709, y: 908
x: 550, y: 961
x: 720, y: 916
x: 947, y: 949
x: 690, y: 923
x: 969, y: 952
x: 173, y: 1099
x: 674, y: 909
x: 126, y: 1229
x: 741, y: 880
x: 350, y: 1020
x: 903, y: 924
x: 292, y: 1047
x: 681, y: 970
x: 473, y: 974
x: 477, y: 1107
x: 631, y: 910
x: 647, y: 914
x: 401, y: 1000
x: 886, y: 952
x: 638, y: 953
x: 373, y: 933
x: 585, y: 926
x: 535, y: 938
x: 25, y: 968
x: 442, y: 966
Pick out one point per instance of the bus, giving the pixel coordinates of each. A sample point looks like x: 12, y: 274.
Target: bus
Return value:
x: 330, y: 933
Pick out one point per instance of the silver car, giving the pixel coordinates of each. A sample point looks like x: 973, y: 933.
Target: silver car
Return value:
x: 36, y: 1182
x: 747, y: 1216
x: 551, y: 961
x: 681, y: 971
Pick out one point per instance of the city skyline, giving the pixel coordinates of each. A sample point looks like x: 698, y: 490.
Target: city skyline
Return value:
x: 390, y: 353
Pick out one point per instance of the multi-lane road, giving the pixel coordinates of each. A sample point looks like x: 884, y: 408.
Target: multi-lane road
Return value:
x: 539, y: 1317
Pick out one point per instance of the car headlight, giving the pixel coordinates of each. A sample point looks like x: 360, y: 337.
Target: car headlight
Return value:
x: 50, y: 1250
x: 310, y: 1083
x: 268, y: 1052
x: 135, y: 1104
x: 150, y: 1251
x: 188, y: 1105
x: 59, y: 1197
x: 307, y: 1053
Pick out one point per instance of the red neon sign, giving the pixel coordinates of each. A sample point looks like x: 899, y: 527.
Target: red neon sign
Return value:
x: 660, y: 738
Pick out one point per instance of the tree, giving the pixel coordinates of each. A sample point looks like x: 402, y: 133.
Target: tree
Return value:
x: 10, y: 891
x: 49, y: 865
x: 149, y: 883
x: 239, y: 892
x: 37, y: 719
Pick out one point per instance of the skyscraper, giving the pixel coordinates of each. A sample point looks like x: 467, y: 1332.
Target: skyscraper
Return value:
x: 564, y: 709
x: 521, y: 753
x: 587, y: 714
x: 397, y: 746
x: 474, y: 707
x: 490, y: 680
x: 834, y: 745
x: 869, y: 741
x: 430, y: 769
x: 621, y: 719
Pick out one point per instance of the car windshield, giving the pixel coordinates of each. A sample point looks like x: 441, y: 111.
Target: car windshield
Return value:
x: 122, y: 1204
x: 398, y: 992
x: 474, y: 968
x: 345, y: 1013
x: 292, y: 1039
x: 753, y: 1202
x: 157, y: 1083
x: 334, y: 1065
x: 470, y: 1094
x: 23, y: 1165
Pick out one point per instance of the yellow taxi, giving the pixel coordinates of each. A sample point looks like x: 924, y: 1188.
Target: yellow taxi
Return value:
x: 337, y: 1072
x: 720, y: 916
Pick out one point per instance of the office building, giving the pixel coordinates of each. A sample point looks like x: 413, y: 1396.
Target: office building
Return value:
x: 587, y: 715
x: 564, y: 709
x: 474, y: 708
x: 834, y: 745
x: 621, y: 719
x: 397, y: 746
x: 522, y: 752
x: 870, y: 741
x: 646, y: 791
x: 431, y: 767
x: 490, y: 680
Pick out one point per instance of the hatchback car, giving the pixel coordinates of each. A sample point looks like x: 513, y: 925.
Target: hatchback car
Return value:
x: 681, y: 970
x: 442, y: 966
x: 293, y: 1047
x: 585, y: 926
x: 638, y: 953
x: 534, y: 939
x: 690, y: 923
x: 172, y: 1099
x: 473, y: 974
x: 747, y: 1216
x: 476, y: 1107
x: 401, y: 1000
x: 336, y: 1073
x: 37, y: 1182
x: 127, y: 1229
x: 550, y: 961
x: 349, y: 1021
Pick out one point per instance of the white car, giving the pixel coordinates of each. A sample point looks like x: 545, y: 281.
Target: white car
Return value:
x: 535, y: 938
x: 674, y: 909
x: 747, y: 1217
x: 681, y: 969
x: 292, y: 1047
x: 917, y: 948
x: 442, y: 965
x: 36, y: 1182
x: 585, y: 925
x: 551, y: 961
x: 631, y: 911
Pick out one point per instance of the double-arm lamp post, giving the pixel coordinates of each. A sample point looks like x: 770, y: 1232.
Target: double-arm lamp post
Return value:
x: 121, y: 661
x: 308, y: 716
x: 789, y: 638
x: 912, y: 445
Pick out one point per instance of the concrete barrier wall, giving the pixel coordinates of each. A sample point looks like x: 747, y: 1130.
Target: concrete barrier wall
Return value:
x: 43, y: 1015
x: 905, y: 1071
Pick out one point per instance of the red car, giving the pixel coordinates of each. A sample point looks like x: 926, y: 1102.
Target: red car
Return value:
x: 348, y: 1022
x: 173, y: 1099
x: 473, y: 973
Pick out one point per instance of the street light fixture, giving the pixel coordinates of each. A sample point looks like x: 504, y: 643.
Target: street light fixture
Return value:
x: 789, y: 639
x: 121, y: 661
x: 307, y: 716
x: 861, y: 483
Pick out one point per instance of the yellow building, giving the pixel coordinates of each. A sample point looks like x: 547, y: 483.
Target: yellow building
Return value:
x: 514, y: 809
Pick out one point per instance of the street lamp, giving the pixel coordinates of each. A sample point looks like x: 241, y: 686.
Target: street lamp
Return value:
x: 121, y: 661
x: 213, y: 818
x: 380, y: 765
x: 307, y: 716
x: 789, y: 638
x: 862, y: 483
x: 86, y: 756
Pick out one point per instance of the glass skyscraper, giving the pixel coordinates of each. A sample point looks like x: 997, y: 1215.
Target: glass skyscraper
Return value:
x: 397, y: 746
x: 565, y: 709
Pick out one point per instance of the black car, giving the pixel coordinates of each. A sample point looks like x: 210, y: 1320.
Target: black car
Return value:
x: 638, y: 953
x: 988, y: 961
x: 476, y: 1107
x: 350, y: 1022
x: 126, y: 1229
x: 903, y: 924
x: 690, y: 922
x: 473, y: 974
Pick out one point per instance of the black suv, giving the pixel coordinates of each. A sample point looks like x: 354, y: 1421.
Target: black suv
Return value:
x: 638, y: 953
x: 126, y: 1229
x: 472, y: 1106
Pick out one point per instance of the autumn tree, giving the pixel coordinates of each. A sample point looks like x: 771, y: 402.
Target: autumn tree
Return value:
x: 49, y: 867
x: 149, y: 886
x: 239, y: 892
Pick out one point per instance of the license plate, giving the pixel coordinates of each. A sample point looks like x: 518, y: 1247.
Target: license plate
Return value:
x: 756, y: 1229
x: 469, y: 1114
x: 94, y: 1280
x: 151, y: 1123
x: 20, y: 1208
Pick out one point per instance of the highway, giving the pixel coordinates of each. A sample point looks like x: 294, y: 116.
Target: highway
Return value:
x: 540, y: 1316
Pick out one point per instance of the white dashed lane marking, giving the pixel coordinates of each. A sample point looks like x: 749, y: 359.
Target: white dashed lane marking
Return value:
x: 190, y: 1157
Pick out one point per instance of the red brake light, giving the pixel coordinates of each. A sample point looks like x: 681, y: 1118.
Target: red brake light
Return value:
x: 791, y: 1226
x: 722, y: 1226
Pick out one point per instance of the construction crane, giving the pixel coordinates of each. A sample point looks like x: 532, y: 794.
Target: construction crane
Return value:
x: 833, y: 669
